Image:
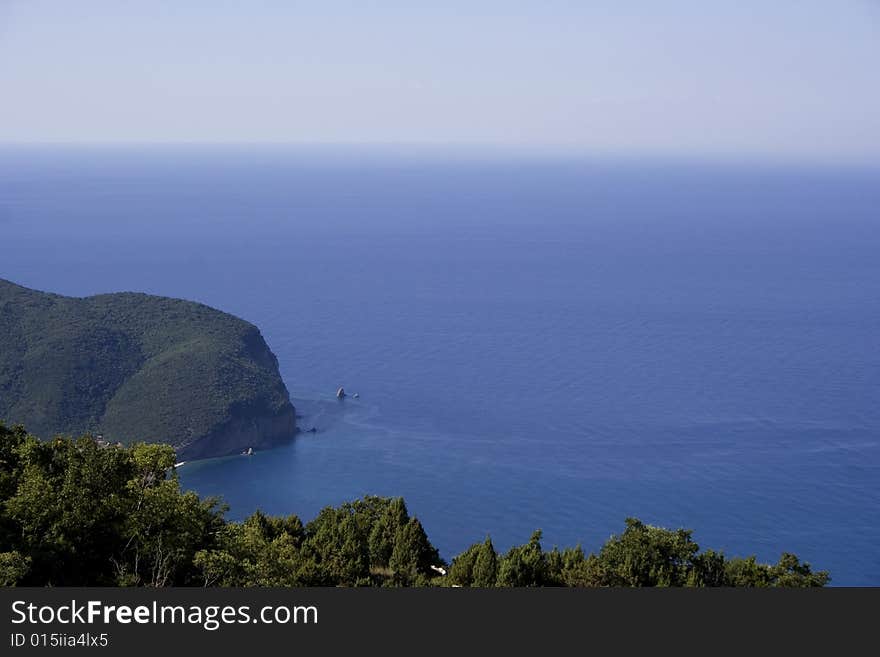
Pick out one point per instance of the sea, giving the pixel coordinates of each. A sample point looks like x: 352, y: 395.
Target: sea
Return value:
x: 538, y: 341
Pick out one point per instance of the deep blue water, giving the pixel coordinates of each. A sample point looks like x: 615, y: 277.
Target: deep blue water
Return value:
x: 537, y: 343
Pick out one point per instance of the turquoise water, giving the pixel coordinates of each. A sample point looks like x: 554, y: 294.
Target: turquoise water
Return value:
x: 536, y: 343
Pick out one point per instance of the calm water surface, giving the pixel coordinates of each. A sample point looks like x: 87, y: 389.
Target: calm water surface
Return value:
x: 536, y: 343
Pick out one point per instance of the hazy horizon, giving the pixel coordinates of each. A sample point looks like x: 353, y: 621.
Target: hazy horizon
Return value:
x: 787, y: 82
x: 376, y: 153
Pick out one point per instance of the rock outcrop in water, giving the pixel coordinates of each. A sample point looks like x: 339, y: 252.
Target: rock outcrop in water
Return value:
x: 136, y: 367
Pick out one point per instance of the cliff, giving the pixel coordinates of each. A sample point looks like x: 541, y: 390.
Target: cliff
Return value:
x: 136, y: 367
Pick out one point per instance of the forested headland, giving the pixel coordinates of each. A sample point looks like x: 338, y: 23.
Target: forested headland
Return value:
x: 135, y: 367
x: 74, y: 512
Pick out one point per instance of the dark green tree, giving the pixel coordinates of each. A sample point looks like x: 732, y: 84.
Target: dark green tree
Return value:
x: 485, y: 572
x: 648, y: 556
x: 788, y: 572
x: 461, y: 571
x: 746, y: 572
x: 524, y: 565
x: 791, y: 572
x: 570, y: 567
x: 708, y: 569
x: 413, y: 555
x: 383, y: 532
x: 13, y: 568
x: 336, y: 542
x: 261, y: 551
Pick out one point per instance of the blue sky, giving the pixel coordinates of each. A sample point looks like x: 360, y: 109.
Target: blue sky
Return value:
x: 787, y: 79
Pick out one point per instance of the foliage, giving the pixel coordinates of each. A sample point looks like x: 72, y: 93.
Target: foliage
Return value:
x: 80, y: 514
x: 571, y: 567
x: 413, y: 555
x: 524, y: 565
x: 648, y: 556
x: 485, y: 572
x: 74, y: 512
x: 788, y: 572
x: 13, y: 568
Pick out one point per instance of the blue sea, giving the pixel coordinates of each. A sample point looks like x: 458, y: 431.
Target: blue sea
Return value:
x: 537, y: 341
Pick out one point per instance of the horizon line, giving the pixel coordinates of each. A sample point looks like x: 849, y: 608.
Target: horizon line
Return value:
x: 478, y: 148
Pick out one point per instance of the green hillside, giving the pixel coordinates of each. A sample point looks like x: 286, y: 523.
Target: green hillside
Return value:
x: 135, y: 367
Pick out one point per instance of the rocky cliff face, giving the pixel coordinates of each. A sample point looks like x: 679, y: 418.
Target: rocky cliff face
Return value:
x: 263, y: 429
x: 135, y: 367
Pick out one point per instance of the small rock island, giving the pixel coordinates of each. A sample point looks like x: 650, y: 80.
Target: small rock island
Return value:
x: 135, y: 367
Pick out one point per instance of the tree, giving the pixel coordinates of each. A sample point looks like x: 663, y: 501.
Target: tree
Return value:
x: 708, y: 570
x: 68, y: 507
x: 485, y: 572
x: 461, y: 572
x: 788, y: 572
x: 648, y: 556
x: 570, y: 567
x: 383, y: 532
x: 163, y: 528
x: 261, y: 551
x: 791, y: 572
x: 746, y: 573
x: 413, y: 555
x: 335, y: 541
x: 13, y: 568
x: 524, y: 565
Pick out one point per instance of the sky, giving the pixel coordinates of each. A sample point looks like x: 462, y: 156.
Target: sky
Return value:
x: 787, y: 79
